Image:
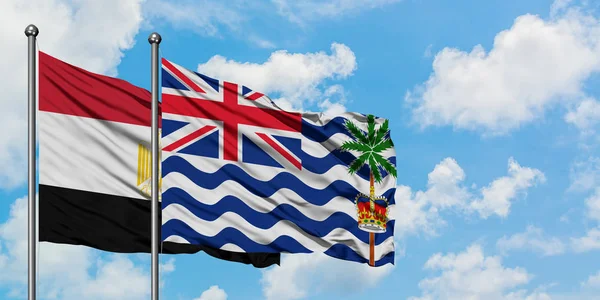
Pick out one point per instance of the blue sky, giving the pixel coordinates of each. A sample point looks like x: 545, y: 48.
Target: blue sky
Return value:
x: 494, y: 114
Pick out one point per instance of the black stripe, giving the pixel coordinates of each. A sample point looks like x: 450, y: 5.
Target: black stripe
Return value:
x: 115, y: 224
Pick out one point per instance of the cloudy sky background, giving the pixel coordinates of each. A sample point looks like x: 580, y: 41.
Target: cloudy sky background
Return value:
x: 494, y: 113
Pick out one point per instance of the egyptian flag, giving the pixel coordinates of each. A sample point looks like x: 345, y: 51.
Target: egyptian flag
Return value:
x: 94, y: 164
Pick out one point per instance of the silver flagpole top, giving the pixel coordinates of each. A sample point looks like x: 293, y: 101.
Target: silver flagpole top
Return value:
x: 154, y: 38
x: 33, y: 30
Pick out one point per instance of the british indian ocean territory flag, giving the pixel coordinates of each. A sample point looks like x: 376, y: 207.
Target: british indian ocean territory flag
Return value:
x: 243, y: 175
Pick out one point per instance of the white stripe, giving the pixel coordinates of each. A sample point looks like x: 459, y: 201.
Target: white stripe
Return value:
x: 90, y: 154
x: 320, y: 150
x: 252, y: 94
x: 320, y: 119
x: 178, y: 79
x: 310, y: 147
x: 267, y: 236
x: 189, y: 94
x: 194, y: 124
x: 250, y: 129
x: 181, y: 240
x: 183, y: 132
x: 209, y: 92
x: 262, y: 204
x: 266, y: 173
x: 230, y: 247
x: 273, y: 153
x: 239, y: 142
x: 241, y: 99
x: 181, y: 118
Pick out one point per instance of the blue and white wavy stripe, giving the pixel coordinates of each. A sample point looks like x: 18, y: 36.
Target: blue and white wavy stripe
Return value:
x: 324, y: 132
x: 324, y: 152
x: 179, y: 224
x: 335, y: 126
x: 237, y: 207
x: 336, y: 211
x: 232, y: 172
x: 335, y: 162
x: 266, y: 220
x: 315, y: 210
x: 278, y: 245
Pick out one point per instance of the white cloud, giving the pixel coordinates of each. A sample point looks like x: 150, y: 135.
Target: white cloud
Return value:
x: 592, y: 282
x: 428, y: 52
x: 559, y: 6
x: 334, y: 101
x: 472, y: 275
x: 446, y: 190
x: 261, y: 42
x: 301, y: 11
x: 587, y: 243
x: 66, y: 271
x: 203, y: 17
x: 118, y: 278
x: 209, y: 18
x: 302, y: 275
x: 592, y: 204
x: 586, y: 116
x: 498, y: 195
x: 420, y: 211
x: 74, y: 31
x: 591, y: 241
x: 297, y: 78
x: 532, y: 66
x: 167, y: 267
x: 532, y: 239
x: 524, y: 295
x: 585, y: 175
x: 332, y: 108
x: 213, y: 293
x: 415, y: 214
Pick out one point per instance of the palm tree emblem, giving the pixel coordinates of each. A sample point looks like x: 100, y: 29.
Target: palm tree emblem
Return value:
x: 372, y: 211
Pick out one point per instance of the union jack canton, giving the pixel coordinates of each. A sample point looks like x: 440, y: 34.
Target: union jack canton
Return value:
x: 201, y: 113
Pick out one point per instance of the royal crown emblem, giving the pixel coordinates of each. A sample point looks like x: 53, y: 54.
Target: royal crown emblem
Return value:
x: 372, y: 213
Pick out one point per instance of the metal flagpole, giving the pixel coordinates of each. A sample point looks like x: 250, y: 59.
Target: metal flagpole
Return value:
x: 31, y: 32
x: 154, y: 40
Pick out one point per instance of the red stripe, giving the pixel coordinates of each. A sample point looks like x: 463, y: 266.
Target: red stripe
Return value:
x: 182, y: 77
x: 189, y: 138
x: 254, y: 96
x: 230, y: 127
x: 281, y: 151
x: 70, y: 90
